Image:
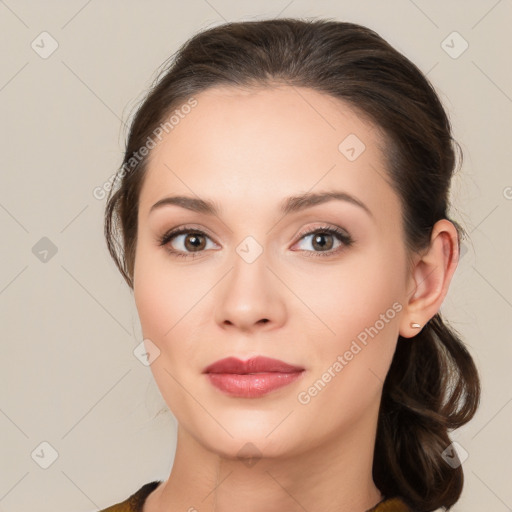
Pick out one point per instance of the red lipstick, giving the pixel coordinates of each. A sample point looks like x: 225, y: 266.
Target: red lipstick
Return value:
x: 252, y: 378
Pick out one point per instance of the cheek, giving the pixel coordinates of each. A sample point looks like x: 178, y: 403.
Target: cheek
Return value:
x: 359, y: 304
x: 156, y: 297
x: 171, y: 311
x: 163, y: 294
x: 151, y: 295
x: 361, y: 307
x: 353, y: 294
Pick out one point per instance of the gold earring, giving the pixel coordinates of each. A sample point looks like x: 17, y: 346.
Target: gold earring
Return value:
x: 414, y: 325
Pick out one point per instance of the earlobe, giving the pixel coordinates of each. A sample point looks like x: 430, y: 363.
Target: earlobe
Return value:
x: 430, y: 278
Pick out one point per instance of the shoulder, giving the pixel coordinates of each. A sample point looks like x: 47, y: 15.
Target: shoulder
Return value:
x: 134, y: 502
x: 395, y: 504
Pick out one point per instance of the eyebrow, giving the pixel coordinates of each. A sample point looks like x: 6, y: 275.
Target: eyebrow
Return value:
x: 291, y: 204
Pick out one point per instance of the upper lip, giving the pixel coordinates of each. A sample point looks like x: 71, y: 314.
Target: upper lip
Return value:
x: 258, y: 364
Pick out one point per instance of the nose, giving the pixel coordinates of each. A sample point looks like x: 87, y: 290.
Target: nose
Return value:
x: 250, y: 297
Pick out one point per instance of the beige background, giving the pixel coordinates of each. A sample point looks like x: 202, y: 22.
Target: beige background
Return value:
x: 69, y: 325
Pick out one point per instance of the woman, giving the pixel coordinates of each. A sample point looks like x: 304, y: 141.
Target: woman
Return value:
x: 281, y: 217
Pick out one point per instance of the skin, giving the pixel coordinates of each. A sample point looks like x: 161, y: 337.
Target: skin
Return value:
x: 247, y: 150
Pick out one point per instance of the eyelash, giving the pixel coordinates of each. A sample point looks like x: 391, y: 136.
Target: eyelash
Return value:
x: 341, y: 235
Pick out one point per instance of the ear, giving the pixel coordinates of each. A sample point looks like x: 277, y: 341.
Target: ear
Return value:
x: 430, y: 278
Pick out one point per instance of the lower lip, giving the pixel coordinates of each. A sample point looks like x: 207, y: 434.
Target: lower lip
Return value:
x: 252, y: 386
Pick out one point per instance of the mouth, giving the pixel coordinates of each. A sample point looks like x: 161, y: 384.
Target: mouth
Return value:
x: 253, y: 378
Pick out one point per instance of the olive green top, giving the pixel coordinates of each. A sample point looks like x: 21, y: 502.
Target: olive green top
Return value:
x: 136, y: 501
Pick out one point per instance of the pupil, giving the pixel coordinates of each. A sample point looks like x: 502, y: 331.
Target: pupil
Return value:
x: 319, y: 237
x: 194, y: 241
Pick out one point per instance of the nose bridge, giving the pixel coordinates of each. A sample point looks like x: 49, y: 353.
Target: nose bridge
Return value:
x: 250, y: 293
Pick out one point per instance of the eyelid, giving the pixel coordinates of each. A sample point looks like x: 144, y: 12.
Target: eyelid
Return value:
x: 180, y: 230
x: 341, y: 234
x: 323, y: 227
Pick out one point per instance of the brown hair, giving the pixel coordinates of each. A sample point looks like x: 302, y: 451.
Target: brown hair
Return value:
x: 432, y: 385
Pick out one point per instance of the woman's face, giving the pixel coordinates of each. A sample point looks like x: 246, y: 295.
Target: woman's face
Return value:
x: 264, y: 280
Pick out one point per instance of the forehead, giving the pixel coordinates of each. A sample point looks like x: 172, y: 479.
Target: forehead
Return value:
x: 266, y: 142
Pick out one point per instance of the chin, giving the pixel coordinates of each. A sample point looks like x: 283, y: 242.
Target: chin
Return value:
x: 251, y: 441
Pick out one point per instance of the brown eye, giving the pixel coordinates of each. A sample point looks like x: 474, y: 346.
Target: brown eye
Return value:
x: 318, y: 241
x: 185, y: 242
x: 194, y: 242
x: 323, y: 241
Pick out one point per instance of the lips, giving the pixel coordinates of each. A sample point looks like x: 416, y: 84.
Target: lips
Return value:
x: 253, y: 378
x: 258, y: 364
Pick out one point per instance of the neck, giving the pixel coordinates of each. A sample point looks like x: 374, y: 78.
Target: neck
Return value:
x: 334, y: 476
